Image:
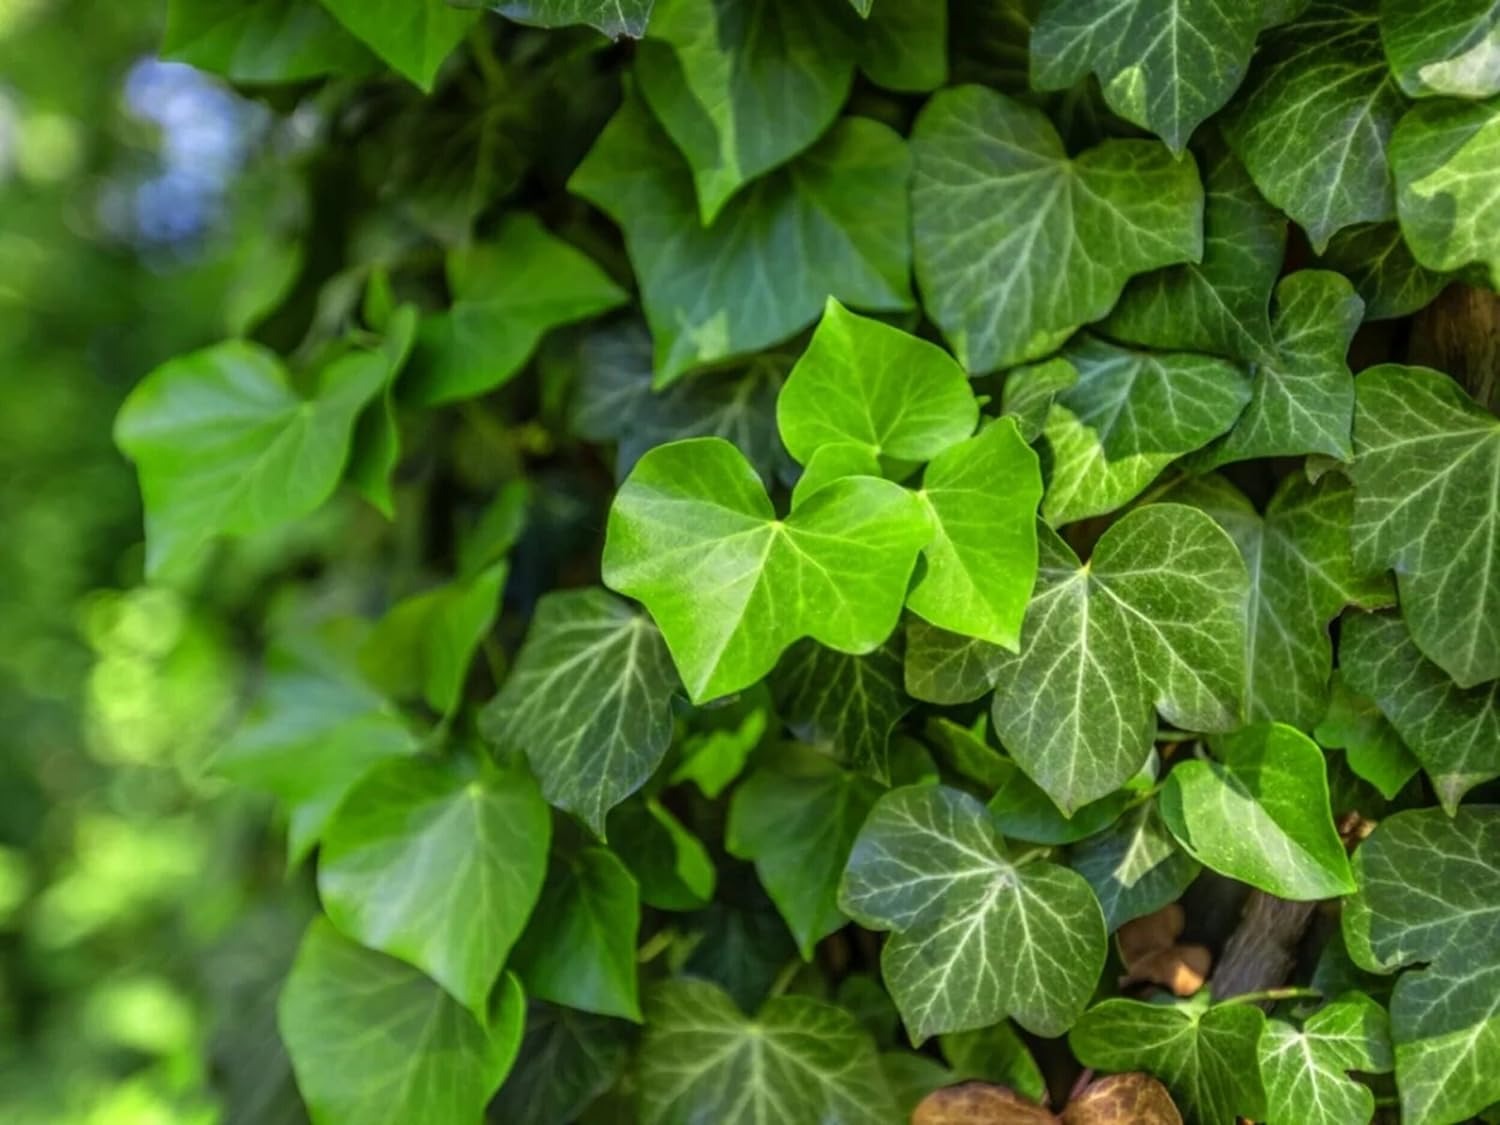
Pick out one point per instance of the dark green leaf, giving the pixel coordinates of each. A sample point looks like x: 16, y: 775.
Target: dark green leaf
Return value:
x: 845, y: 704
x: 567, y: 1060
x: 261, y: 40
x: 1134, y: 866
x: 414, y: 36
x: 615, y: 18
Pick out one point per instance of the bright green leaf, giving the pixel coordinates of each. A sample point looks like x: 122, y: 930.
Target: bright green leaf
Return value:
x: 1449, y: 49
x: 377, y: 435
x: 834, y: 462
x: 1134, y: 866
x: 847, y: 705
x: 414, y: 36
x: 995, y: 1054
x: 261, y: 40
x: 1305, y: 1071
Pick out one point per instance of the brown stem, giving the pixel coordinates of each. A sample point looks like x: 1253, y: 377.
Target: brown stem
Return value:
x: 1459, y: 333
x: 1261, y: 952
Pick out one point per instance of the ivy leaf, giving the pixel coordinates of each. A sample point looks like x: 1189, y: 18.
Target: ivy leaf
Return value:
x: 799, y: 1062
x: 1454, y: 732
x: 834, y: 222
x: 1446, y: 50
x: 374, y: 1041
x: 1164, y: 67
x: 946, y: 668
x: 1128, y: 416
x: 693, y: 536
x: 1205, y: 1055
x: 567, y: 1060
x: 1134, y: 866
x: 1385, y: 273
x: 995, y: 1054
x: 905, y: 46
x: 1302, y: 399
x: 847, y: 704
x: 834, y: 462
x: 507, y: 295
x: 1029, y: 391
x: 1314, y: 119
x: 579, y: 947
x: 437, y: 869
x: 1443, y: 1015
x: 865, y: 383
x: 225, y: 446
x: 1426, y: 475
x: 981, y: 496
x: 1444, y: 158
x: 1153, y: 622
x: 928, y: 866
x: 589, y: 702
x: 1373, y: 749
x: 1259, y: 813
x: 1305, y: 1071
x: 1218, y: 305
x: 377, y: 435
x: 670, y: 864
x: 267, y: 41
x: 414, y: 36
x: 1060, y: 236
x: 615, y: 18
x: 796, y: 818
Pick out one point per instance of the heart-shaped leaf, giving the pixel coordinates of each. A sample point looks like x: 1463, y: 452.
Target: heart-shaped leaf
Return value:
x: 1305, y: 1070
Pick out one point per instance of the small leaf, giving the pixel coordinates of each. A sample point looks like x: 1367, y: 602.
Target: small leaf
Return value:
x: 374, y: 1041
x: 693, y: 536
x: 1373, y: 749
x: 670, y: 864
x: 928, y: 866
x: 615, y: 18
x: 995, y: 1054
x: 1259, y: 813
x: 1017, y: 245
x: 377, y: 436
x: 1134, y: 866
x: 1306, y: 1071
x: 414, y: 36
x: 567, y: 1060
x: 268, y: 41
x: 846, y: 704
x: 1450, y: 50
x: 1385, y: 273
x: 437, y: 869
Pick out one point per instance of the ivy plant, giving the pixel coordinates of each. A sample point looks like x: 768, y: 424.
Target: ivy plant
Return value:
x: 779, y: 537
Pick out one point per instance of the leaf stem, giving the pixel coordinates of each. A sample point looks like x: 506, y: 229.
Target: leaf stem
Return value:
x: 1268, y: 995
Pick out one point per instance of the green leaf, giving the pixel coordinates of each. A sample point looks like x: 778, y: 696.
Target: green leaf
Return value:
x: 995, y: 1054
x: 798, y: 1062
x: 589, y: 702
x: 1454, y: 732
x: 834, y: 222
x: 905, y: 45
x: 374, y: 1041
x: 261, y: 40
x: 507, y: 294
x: 693, y: 536
x: 723, y: 738
x: 414, y: 36
x: 377, y: 436
x: 567, y: 1060
x: 579, y: 947
x: 1164, y: 67
x: 615, y: 18
x: 1386, y: 275
x: 1259, y: 812
x: 945, y: 668
x: 1314, y: 119
x: 1134, y: 866
x: 1427, y: 505
x: 1127, y: 417
x: 437, y: 869
x: 865, y: 383
x: 1443, y: 50
x: 670, y: 864
x: 981, y: 496
x: 1029, y: 391
x: 1428, y: 895
x: 834, y: 462
x: 1218, y: 305
x: 928, y: 866
x: 1017, y: 245
x: 796, y: 818
x: 226, y: 446
x: 1444, y: 157
x: 1153, y: 622
x: 1373, y: 749
x: 1301, y: 577
x: 1022, y: 811
x: 1205, y: 1055
x: 1302, y: 399
x: 848, y: 705
x: 967, y: 752
x: 1305, y: 1071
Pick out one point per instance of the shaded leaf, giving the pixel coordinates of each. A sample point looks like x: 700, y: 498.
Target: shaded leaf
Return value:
x: 567, y: 1060
x: 266, y: 41
x: 414, y: 36
x: 1386, y: 275
x: 1373, y: 749
x: 846, y: 704
x: 615, y: 18
x: 1134, y: 866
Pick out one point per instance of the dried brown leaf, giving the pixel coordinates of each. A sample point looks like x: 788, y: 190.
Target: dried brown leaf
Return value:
x: 1123, y: 1099
x: 979, y: 1103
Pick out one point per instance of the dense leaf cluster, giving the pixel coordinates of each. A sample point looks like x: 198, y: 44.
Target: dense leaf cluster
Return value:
x: 903, y: 467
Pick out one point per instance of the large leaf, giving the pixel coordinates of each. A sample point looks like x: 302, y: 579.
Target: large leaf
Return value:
x: 225, y: 446
x: 261, y: 40
x: 846, y: 705
x: 1218, y: 305
x: 1165, y: 67
x: 928, y: 866
x: 438, y: 869
x: 834, y: 222
x: 376, y: 1042
x: 1305, y: 1070
x: 1446, y: 159
x: 507, y: 294
x: 1429, y: 894
x: 567, y: 1059
x: 414, y: 36
x: 1016, y: 243
x: 798, y: 1062
x: 1454, y: 732
x: 1427, y: 505
x: 615, y: 18
x: 1443, y: 50
x: 1258, y: 811
x: 588, y: 701
x: 1153, y: 622
x: 796, y: 817
x: 693, y: 536
x: 1134, y: 866
x: 1205, y: 1055
x: 1386, y: 275
x: 1314, y: 119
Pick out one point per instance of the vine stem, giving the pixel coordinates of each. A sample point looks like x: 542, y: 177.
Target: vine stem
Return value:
x: 1269, y: 995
